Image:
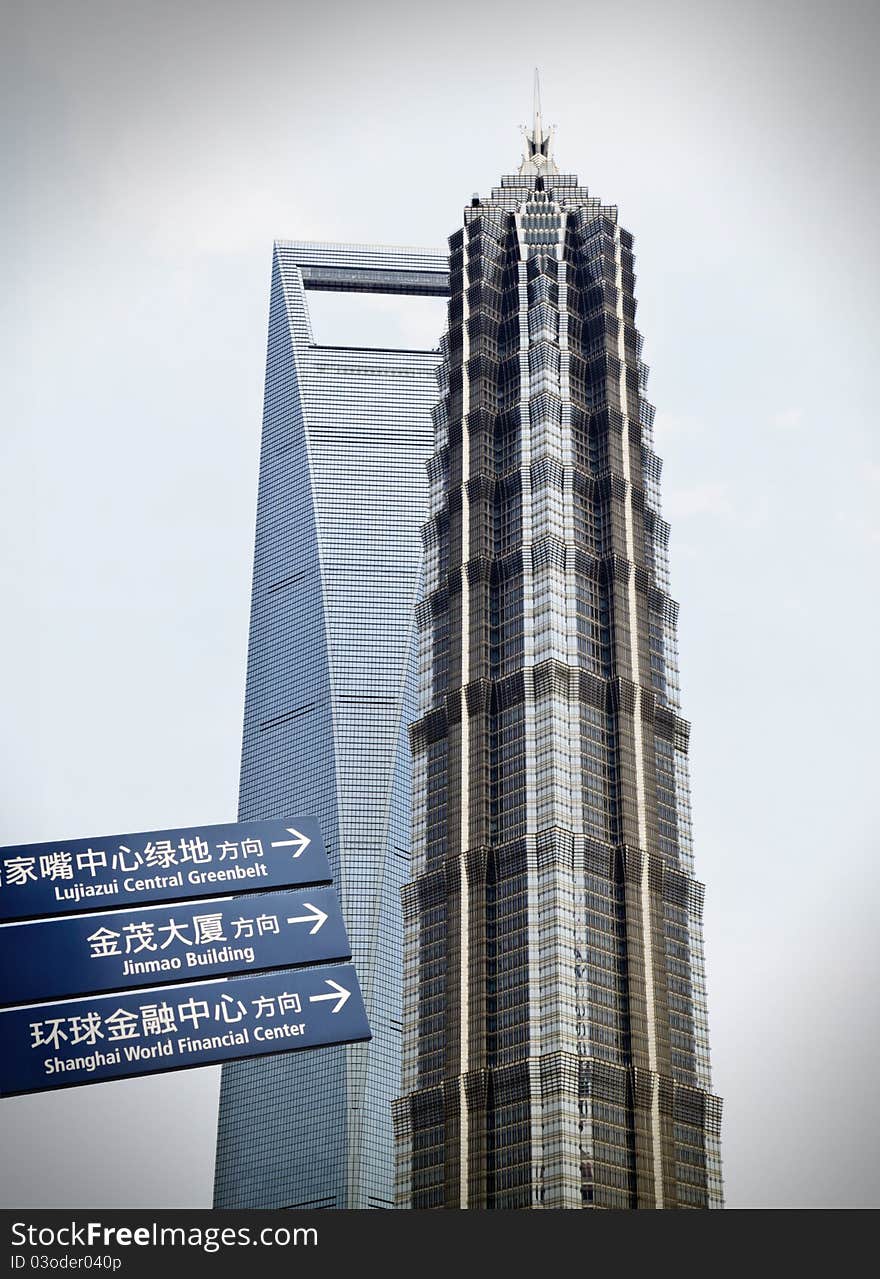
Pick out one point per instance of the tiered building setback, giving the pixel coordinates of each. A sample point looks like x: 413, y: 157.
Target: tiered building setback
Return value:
x: 555, y: 1035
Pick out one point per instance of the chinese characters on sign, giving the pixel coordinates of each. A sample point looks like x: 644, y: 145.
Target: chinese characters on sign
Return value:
x: 111, y: 1036
x: 76, y: 955
x: 70, y: 932
x: 120, y: 870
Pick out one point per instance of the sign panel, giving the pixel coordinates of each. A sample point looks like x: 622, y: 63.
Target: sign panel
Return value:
x: 121, y: 949
x: 87, y: 1041
x: 110, y: 871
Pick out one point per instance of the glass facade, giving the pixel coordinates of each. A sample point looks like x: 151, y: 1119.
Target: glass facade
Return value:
x: 555, y: 1033
x: 342, y: 496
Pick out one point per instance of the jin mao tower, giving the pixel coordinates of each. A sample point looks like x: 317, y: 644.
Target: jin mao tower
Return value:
x: 555, y: 1034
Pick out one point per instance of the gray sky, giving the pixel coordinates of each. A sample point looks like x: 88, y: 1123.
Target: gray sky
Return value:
x: 152, y: 152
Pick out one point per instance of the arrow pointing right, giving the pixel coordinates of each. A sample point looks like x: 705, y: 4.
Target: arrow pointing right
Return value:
x: 299, y: 842
x: 339, y: 993
x: 318, y: 917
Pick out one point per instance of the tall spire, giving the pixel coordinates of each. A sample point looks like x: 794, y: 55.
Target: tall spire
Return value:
x: 538, y: 157
x: 536, y: 102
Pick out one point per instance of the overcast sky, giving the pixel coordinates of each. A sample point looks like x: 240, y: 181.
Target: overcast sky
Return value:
x: 152, y: 152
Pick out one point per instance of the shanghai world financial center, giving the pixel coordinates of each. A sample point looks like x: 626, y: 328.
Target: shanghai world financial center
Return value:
x: 463, y: 662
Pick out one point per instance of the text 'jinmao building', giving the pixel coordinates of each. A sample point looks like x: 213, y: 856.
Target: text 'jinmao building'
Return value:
x: 555, y: 1038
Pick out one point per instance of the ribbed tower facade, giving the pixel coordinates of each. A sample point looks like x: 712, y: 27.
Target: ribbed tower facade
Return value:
x: 342, y: 494
x: 555, y: 1037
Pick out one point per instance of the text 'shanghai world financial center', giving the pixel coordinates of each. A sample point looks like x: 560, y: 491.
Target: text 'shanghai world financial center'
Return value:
x: 510, y: 680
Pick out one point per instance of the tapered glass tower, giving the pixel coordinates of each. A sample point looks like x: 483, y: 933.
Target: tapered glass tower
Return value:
x: 555, y: 1038
x: 342, y: 494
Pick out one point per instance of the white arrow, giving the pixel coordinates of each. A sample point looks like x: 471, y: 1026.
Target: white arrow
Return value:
x: 318, y: 917
x: 339, y: 993
x: 300, y: 843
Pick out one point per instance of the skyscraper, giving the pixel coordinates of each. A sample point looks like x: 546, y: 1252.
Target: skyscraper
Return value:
x: 555, y: 1040
x: 342, y: 493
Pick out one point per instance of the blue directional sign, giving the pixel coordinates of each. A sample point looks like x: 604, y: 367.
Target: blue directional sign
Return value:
x: 86, y: 1041
x: 120, y: 949
x: 110, y: 871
